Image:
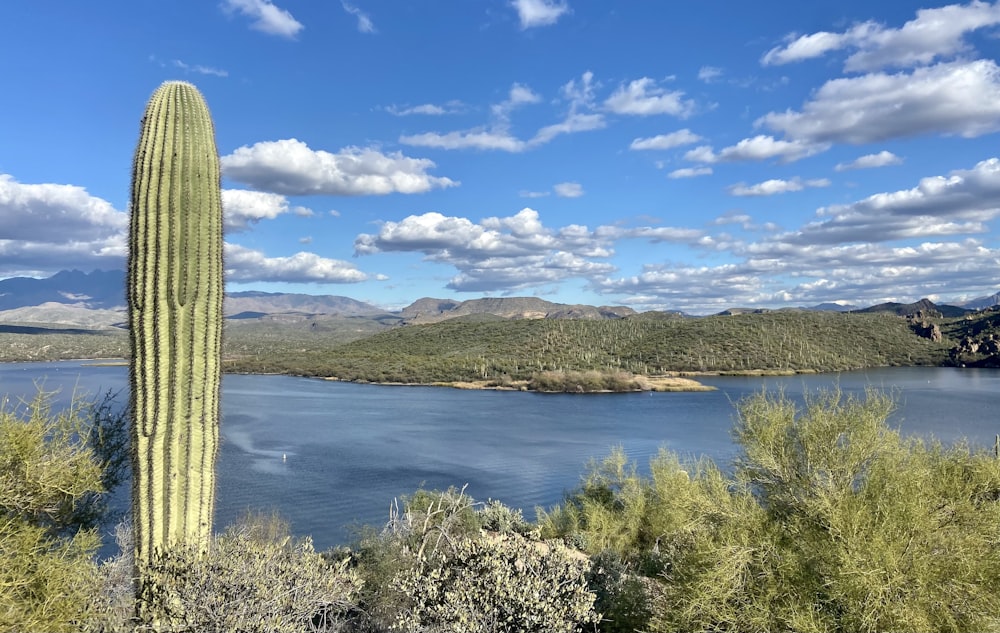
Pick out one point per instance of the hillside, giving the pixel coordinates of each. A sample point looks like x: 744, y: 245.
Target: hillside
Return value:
x: 515, y: 349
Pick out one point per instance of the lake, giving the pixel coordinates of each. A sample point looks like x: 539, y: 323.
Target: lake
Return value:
x: 330, y: 456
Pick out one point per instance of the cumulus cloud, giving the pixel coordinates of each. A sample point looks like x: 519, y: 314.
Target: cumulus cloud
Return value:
x: 690, y: 172
x: 666, y: 141
x: 266, y: 17
x: 776, y: 186
x: 760, y: 147
x: 568, y: 189
x: 934, y: 34
x: 510, y: 253
x: 89, y: 233
x: 643, y: 97
x: 243, y: 208
x: 893, y: 246
x: 247, y: 265
x: 956, y: 98
x: 365, y: 24
x: 870, y: 161
x: 534, y: 13
x: 291, y: 167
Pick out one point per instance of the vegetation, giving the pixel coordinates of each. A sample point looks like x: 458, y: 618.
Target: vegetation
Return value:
x: 465, y: 350
x: 254, y: 578
x: 830, y: 521
x: 54, y: 469
x: 506, y: 351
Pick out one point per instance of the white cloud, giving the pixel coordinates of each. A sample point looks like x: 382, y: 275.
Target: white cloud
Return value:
x: 201, y: 70
x: 511, y: 253
x: 642, y: 97
x: 430, y: 109
x: 870, y: 161
x: 708, y: 74
x: 28, y: 210
x: 776, y: 186
x: 290, y: 167
x: 534, y: 13
x: 935, y: 34
x: 243, y: 208
x: 570, y: 125
x: 247, y: 265
x: 666, y: 141
x: 959, y: 98
x: 467, y: 139
x: 690, y: 172
x: 46, y: 225
x: 760, y: 147
x: 365, y: 24
x: 266, y: 17
x: 568, y: 189
x: 497, y: 135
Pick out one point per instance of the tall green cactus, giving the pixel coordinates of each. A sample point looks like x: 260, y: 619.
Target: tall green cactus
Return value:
x: 175, y: 318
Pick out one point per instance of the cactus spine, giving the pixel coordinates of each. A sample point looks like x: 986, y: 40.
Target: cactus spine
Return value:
x: 174, y: 295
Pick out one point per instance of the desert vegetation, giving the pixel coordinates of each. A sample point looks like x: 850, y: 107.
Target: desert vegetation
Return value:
x: 828, y: 520
x: 510, y: 350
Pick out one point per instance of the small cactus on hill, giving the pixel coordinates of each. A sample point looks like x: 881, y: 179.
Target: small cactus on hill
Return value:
x: 174, y: 290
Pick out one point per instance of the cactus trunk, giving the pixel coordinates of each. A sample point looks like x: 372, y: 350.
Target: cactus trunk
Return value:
x: 174, y: 292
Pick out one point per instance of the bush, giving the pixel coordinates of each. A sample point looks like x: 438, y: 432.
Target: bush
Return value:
x: 447, y: 563
x: 50, y: 487
x: 499, y: 583
x: 830, y: 521
x: 255, y: 578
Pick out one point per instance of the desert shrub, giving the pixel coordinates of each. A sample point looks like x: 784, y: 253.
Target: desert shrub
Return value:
x: 828, y: 521
x: 496, y: 517
x: 853, y: 529
x: 50, y: 486
x: 255, y: 577
x: 621, y: 594
x: 500, y: 583
x: 447, y: 563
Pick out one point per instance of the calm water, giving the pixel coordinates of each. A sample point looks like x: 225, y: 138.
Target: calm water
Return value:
x: 330, y: 455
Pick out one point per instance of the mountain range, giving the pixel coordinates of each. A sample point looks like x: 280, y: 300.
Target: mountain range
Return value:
x: 97, y: 299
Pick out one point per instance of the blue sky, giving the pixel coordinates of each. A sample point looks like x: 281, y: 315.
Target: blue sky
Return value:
x: 661, y: 155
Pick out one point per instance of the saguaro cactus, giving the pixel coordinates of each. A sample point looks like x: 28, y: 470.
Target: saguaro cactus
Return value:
x: 175, y: 319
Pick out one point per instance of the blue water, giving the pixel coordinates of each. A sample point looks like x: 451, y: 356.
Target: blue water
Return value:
x: 330, y: 456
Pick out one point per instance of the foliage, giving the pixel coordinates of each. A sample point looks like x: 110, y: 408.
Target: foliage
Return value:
x: 500, y: 583
x: 466, y: 350
x: 830, y: 521
x: 446, y: 563
x: 254, y: 578
x: 50, y: 482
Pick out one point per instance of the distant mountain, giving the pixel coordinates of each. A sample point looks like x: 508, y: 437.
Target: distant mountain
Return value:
x: 98, y: 290
x: 428, y: 310
x: 926, y: 306
x: 263, y: 303
x: 980, y: 303
x: 834, y: 307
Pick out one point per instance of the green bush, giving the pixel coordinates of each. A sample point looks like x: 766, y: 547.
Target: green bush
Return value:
x: 830, y: 521
x: 50, y: 487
